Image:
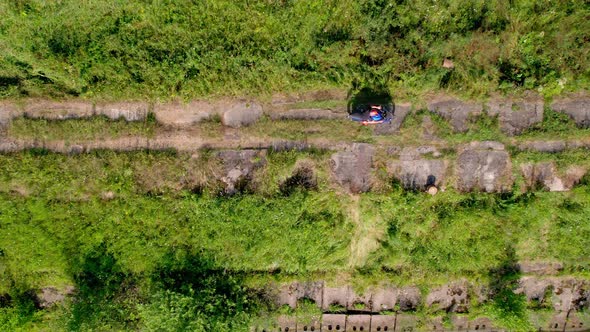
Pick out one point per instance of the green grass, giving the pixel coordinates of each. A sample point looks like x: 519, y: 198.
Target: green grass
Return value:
x: 163, y: 50
x: 152, y: 255
x: 84, y: 129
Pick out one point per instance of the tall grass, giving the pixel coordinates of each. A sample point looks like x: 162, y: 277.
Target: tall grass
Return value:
x: 164, y: 49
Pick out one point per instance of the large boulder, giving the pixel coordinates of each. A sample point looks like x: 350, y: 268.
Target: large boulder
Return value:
x: 53, y: 110
x: 399, y: 115
x: 179, y: 114
x: 409, y: 298
x: 545, y: 176
x: 571, y: 294
x: 241, y: 114
x: 578, y: 108
x: 456, y: 111
x: 515, y: 116
x: 534, y: 289
x: 352, y: 168
x: 308, y: 114
x: 484, y: 166
x: 543, y: 146
x: 450, y: 298
x: 130, y: 111
x: 238, y: 169
x: 415, y: 172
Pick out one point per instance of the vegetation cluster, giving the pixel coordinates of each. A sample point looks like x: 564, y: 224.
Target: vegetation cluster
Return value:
x: 167, y: 49
x: 155, y: 255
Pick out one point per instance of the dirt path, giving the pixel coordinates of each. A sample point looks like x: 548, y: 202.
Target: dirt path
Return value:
x: 368, y: 230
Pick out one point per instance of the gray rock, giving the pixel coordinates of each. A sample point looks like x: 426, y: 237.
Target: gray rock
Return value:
x: 417, y: 173
x: 455, y: 111
x: 335, y: 296
x: 544, y: 176
x: 352, y: 168
x: 540, y: 268
x: 130, y: 111
x: 381, y: 323
x: 333, y: 322
x: 534, y: 289
x: 399, y: 115
x: 484, y: 166
x: 289, y: 294
x: 7, y: 112
x: 359, y: 302
x: 571, y: 294
x: 578, y: 108
x: 239, y: 167
x: 50, y: 296
x: 450, y: 298
x: 241, y: 114
x: 384, y: 299
x: 308, y: 114
x: 178, y: 114
x: 515, y: 116
x: 409, y: 298
x: 543, y: 146
x: 53, y: 110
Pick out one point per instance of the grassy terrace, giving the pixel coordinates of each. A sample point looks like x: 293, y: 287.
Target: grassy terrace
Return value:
x: 151, y: 243
x: 555, y: 126
x: 168, y: 49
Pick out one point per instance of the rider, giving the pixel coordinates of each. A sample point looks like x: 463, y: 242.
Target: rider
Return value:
x: 375, y: 113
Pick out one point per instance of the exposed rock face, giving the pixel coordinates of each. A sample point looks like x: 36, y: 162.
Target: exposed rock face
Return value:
x: 571, y: 294
x: 484, y: 166
x: 58, y: 110
x: 308, y: 114
x: 291, y: 293
x: 352, y: 168
x: 515, y: 116
x: 417, y: 173
x: 540, y: 268
x: 543, y: 146
x: 384, y: 299
x: 335, y: 296
x: 457, y: 112
x: 49, y: 296
x: 577, y: 108
x: 241, y: 114
x: 239, y: 166
x: 545, y: 176
x: 409, y: 298
x: 534, y: 289
x: 450, y: 298
x: 399, y: 115
x: 130, y: 111
x: 183, y: 115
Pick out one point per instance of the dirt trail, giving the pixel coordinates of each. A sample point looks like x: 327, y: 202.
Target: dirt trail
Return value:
x: 368, y: 230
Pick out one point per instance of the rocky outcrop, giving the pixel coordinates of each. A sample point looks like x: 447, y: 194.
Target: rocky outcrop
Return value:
x: 409, y: 298
x: 578, y: 108
x: 563, y: 293
x: 352, y: 168
x: 484, y: 166
x: 290, y: 294
x: 515, y: 116
x: 539, y: 268
x: 415, y: 172
x: 450, y: 298
x: 308, y: 114
x: 534, y: 289
x: 545, y: 176
x: 543, y: 146
x: 241, y: 114
x: 50, y: 296
x: 399, y: 115
x: 130, y: 111
x: 180, y: 114
x: 53, y: 110
x: 456, y: 111
x: 238, y: 169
